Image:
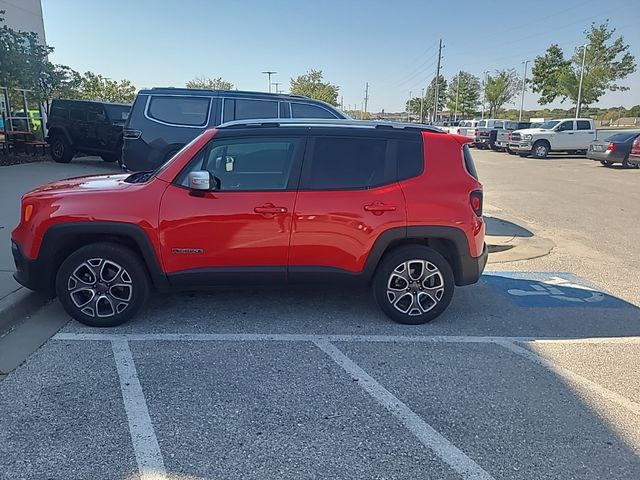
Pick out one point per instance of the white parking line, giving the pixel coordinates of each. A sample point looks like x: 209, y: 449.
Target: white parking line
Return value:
x: 572, y: 377
x: 286, y: 337
x: 424, y: 432
x: 145, y: 443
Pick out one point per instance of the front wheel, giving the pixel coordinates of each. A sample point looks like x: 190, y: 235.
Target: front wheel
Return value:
x: 540, y: 149
x: 102, y: 284
x: 413, y: 284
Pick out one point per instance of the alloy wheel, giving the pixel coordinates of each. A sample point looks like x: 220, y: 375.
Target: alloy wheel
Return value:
x: 100, y: 288
x: 415, y: 287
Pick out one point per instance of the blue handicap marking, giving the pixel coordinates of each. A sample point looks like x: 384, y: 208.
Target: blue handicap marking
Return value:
x: 552, y: 289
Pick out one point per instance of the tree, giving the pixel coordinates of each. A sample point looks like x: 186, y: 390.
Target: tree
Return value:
x: 94, y: 86
x: 312, y: 86
x: 606, y: 62
x: 212, y: 83
x: 468, y: 94
x: 430, y: 97
x: 500, y: 89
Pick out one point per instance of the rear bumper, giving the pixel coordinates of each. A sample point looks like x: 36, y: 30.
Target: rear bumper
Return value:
x: 472, y: 267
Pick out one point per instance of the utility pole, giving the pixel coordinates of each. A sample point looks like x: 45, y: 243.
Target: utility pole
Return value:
x: 484, y: 91
x: 435, y: 102
x: 422, y: 106
x: 455, y: 115
x: 366, y: 96
x: 362, y: 111
x: 269, y: 73
x: 524, y: 84
x: 409, y: 108
x: 584, y: 58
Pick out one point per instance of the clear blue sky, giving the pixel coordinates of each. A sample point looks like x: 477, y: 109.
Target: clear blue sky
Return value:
x: 391, y: 44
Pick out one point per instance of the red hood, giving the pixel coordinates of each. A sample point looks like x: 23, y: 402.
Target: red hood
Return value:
x: 83, y: 184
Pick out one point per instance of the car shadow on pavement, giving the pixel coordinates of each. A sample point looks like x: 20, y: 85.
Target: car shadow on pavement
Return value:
x: 503, y: 228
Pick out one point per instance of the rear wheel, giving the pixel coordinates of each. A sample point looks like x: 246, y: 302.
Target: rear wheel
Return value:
x: 606, y: 163
x: 61, y: 150
x: 102, y: 284
x: 413, y: 284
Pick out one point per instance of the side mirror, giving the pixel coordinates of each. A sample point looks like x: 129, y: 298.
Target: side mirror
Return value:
x: 200, y: 181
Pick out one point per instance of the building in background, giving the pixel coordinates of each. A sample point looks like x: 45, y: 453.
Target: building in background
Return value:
x: 24, y: 15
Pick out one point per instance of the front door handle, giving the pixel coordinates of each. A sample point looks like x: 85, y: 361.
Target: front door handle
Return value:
x: 379, y: 207
x: 270, y: 208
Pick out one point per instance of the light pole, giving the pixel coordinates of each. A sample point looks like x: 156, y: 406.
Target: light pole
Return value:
x: 524, y: 83
x: 484, y: 91
x: 584, y: 57
x: 422, y: 106
x: 455, y: 119
x: 269, y: 73
x: 276, y: 85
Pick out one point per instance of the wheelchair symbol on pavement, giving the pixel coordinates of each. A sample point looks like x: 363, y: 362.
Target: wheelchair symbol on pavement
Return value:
x: 549, y: 288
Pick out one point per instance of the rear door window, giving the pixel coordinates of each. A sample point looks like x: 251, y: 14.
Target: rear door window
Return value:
x: 179, y: 110
x: 305, y: 110
x: 247, y: 109
x: 584, y: 125
x: 338, y: 163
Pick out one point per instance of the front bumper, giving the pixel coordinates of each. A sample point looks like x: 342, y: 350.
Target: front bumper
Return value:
x: 29, y: 273
x: 472, y: 267
x: 520, y: 146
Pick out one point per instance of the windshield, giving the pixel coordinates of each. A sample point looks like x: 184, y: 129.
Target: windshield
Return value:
x: 117, y: 113
x: 549, y: 125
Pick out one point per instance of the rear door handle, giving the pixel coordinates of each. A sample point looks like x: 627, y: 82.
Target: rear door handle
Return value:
x: 270, y: 208
x: 379, y: 207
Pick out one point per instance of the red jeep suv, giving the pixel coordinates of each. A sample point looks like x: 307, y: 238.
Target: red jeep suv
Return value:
x: 396, y: 206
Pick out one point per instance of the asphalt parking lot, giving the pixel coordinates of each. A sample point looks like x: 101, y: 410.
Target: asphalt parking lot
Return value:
x: 531, y: 374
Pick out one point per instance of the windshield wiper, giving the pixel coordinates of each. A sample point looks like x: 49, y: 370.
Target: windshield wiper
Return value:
x: 140, y: 177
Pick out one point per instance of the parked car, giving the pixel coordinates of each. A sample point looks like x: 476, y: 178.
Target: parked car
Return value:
x: 634, y: 155
x: 270, y: 201
x: 614, y: 149
x: 562, y: 135
x: 83, y: 126
x: 503, y: 135
x: 467, y: 128
x: 163, y: 120
x: 486, y: 132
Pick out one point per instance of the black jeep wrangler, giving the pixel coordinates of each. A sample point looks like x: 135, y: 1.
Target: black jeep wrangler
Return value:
x: 82, y: 126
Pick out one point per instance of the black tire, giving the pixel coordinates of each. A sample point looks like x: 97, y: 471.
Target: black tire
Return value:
x: 523, y: 155
x: 61, y: 150
x: 109, y: 157
x: 417, y: 310
x: 540, y: 149
x: 606, y: 163
x: 626, y: 164
x: 89, y: 273
x: 510, y: 152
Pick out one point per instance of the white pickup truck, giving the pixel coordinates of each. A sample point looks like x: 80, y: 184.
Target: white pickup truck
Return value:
x: 563, y: 135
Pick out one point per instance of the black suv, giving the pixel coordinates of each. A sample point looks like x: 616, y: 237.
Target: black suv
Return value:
x: 163, y: 120
x: 83, y: 126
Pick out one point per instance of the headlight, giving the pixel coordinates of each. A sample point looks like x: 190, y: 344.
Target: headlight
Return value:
x: 527, y: 137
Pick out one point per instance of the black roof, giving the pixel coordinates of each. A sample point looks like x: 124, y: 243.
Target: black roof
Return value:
x: 99, y: 102
x: 212, y: 92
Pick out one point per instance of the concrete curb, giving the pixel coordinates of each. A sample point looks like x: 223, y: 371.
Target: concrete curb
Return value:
x: 17, y: 305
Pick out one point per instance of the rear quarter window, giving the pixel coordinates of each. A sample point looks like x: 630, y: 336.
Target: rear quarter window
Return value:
x: 190, y: 111
x: 304, y: 110
x: 468, y: 162
x: 410, y: 159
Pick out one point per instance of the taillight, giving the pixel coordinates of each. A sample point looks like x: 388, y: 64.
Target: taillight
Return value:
x: 131, y: 134
x: 611, y: 146
x: 475, y: 132
x: 475, y: 200
x: 458, y: 131
x: 509, y: 136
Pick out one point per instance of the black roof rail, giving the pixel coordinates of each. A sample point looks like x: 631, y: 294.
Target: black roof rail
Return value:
x: 316, y: 122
